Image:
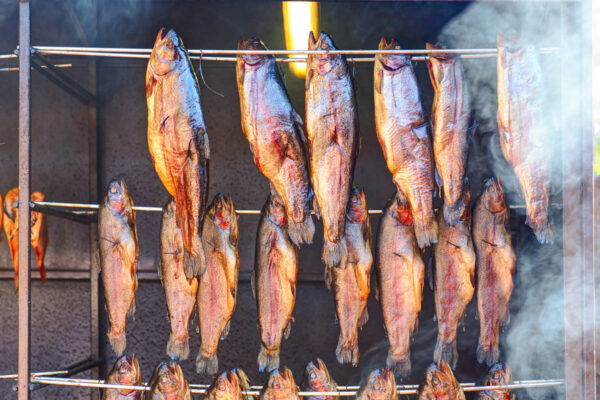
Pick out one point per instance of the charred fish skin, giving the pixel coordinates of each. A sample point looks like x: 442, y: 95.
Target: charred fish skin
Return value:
x: 439, y: 383
x: 318, y: 379
x: 274, y: 282
x: 168, y: 383
x: 280, y: 386
x: 273, y: 129
x: 333, y: 138
x: 380, y: 385
x: 499, y: 374
x: 228, y: 386
x: 495, y: 268
x: 125, y: 371
x: 450, y: 117
x: 177, y: 139
x: 524, y: 136
x: 351, y: 283
x: 39, y: 234
x: 454, y: 283
x: 180, y: 292
x: 402, y: 130
x: 119, y: 251
x: 217, y: 292
x: 400, y: 277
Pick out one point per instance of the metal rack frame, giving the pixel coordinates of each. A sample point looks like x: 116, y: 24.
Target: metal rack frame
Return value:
x: 577, y: 174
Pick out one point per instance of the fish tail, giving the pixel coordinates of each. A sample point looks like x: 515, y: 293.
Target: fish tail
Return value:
x: 347, y: 352
x: 178, y: 349
x: 207, y: 365
x: 401, y: 367
x: 489, y: 355
x: 446, y: 352
x: 268, y: 360
x: 426, y: 232
x: 302, y: 232
x: 544, y: 231
x: 453, y: 212
x: 117, y: 341
x: 333, y: 253
x: 193, y: 265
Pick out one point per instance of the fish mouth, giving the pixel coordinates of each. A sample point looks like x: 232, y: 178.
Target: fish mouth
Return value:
x: 252, y: 60
x: 393, y: 62
x: 223, y: 210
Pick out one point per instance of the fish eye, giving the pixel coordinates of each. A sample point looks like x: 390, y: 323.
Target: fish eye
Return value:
x: 435, y: 381
x: 377, y: 386
x: 313, y: 375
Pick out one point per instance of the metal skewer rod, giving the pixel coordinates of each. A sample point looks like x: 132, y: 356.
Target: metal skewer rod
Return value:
x: 4, y: 56
x: 44, y: 374
x: 12, y: 69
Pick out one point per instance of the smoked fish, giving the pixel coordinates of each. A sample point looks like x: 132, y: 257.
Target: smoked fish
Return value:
x: 400, y: 277
x: 180, y: 292
x: 177, y: 140
x: 524, y: 135
x: 495, y: 268
x: 333, y: 138
x: 380, y: 385
x: 318, y: 379
x: 218, y: 285
x: 440, y: 383
x: 168, y: 383
x: 351, y: 283
x: 273, y: 129
x: 228, y: 386
x: 454, y: 282
x: 402, y: 130
x: 126, y: 371
x: 119, y: 251
x: 274, y: 282
x: 499, y: 374
x: 39, y: 234
x: 280, y: 386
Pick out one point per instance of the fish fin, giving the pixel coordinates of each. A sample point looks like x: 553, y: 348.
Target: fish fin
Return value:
x: 288, y: 330
x: 207, y: 366
x: 363, y: 319
x: 426, y: 232
x: 506, y: 319
x: 253, y: 284
x: 178, y: 349
x: 150, y: 82
x: 488, y: 355
x: 309, y: 74
x: 544, y: 231
x: 504, y: 139
x: 302, y: 232
x: 400, y: 367
x: 131, y: 311
x: 378, y: 81
x: 462, y: 322
x: 438, y: 181
x: 118, y: 342
x: 298, y: 123
x: 446, y: 352
x: 267, y: 360
x: 347, y: 353
x: 334, y: 253
x: 194, y: 266
x: 316, y: 207
x: 226, y: 330
x: 206, y: 145
x: 328, y: 277
x: 431, y: 272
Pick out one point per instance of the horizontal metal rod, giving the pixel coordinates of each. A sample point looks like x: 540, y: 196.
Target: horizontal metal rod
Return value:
x: 45, y: 374
x: 12, y: 69
x: 4, y: 56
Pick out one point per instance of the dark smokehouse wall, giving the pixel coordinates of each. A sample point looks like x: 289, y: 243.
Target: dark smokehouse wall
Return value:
x: 60, y: 309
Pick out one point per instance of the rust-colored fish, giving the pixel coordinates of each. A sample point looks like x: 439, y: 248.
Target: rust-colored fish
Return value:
x: 274, y: 131
x: 119, y: 251
x: 380, y: 385
x: 218, y: 285
x: 180, y: 291
x: 400, y: 276
x: 1, y: 213
x: 39, y: 234
x: 495, y: 268
x: 177, y: 139
x: 168, y: 383
x: 402, y: 130
x: 524, y: 137
x: 318, y: 379
x: 450, y: 117
x: 229, y: 386
x: 499, y: 374
x: 280, y: 386
x: 334, y: 142
x: 439, y: 383
x: 351, y: 283
x: 274, y: 282
x: 125, y: 371
x: 454, y: 283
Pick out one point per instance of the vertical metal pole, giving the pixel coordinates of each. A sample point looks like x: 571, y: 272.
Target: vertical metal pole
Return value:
x: 24, y: 181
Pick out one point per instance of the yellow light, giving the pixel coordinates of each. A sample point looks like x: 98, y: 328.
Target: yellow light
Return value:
x: 299, y: 18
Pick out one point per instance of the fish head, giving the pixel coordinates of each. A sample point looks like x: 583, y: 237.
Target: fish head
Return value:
x: 170, y: 208
x: 438, y: 63
x: 358, y: 209
x: 399, y: 208
x: 226, y: 387
x: 169, y: 377
x: 117, y: 195
x: 282, y: 379
x: 499, y: 374
x: 317, y: 375
x: 275, y: 211
x: 12, y: 197
x: 391, y: 62
x: 168, y: 50
x: 440, y: 383
x: 493, y: 195
x: 381, y: 384
x: 323, y: 63
x: 128, y: 370
x: 253, y: 61
x: 222, y: 211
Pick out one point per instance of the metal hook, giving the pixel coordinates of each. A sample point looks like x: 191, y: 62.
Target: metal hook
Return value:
x: 203, y: 80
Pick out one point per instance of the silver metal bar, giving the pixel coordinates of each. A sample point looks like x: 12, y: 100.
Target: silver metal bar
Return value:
x: 13, y: 69
x: 5, y: 56
x: 47, y: 373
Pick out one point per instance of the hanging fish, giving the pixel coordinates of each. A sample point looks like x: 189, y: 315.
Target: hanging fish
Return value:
x: 39, y: 234
x: 126, y: 371
x: 280, y: 386
x: 168, y: 383
x: 229, y: 386
x: 318, y: 379
x: 499, y: 374
x: 380, y: 385
x: 440, y: 383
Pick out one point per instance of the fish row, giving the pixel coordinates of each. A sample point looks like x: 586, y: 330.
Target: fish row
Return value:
x: 167, y: 381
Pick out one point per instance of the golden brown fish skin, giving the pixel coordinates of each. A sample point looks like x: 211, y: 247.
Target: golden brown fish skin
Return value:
x: 280, y: 386
x: 333, y: 138
x: 125, y: 371
x: 351, y: 282
x: 274, y: 282
x: 403, y: 134
x: 499, y: 374
x: 380, y: 385
x: 177, y: 139
x: 454, y: 284
x: 450, y: 117
x: 1, y: 213
x: 218, y: 285
x: 439, y: 383
x: 180, y: 292
x: 400, y: 276
x: 39, y: 234
x: 10, y: 223
x: 524, y: 136
x: 318, y: 379
x: 228, y: 386
x: 168, y: 383
x: 495, y: 267
x: 274, y: 131
x: 119, y: 252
